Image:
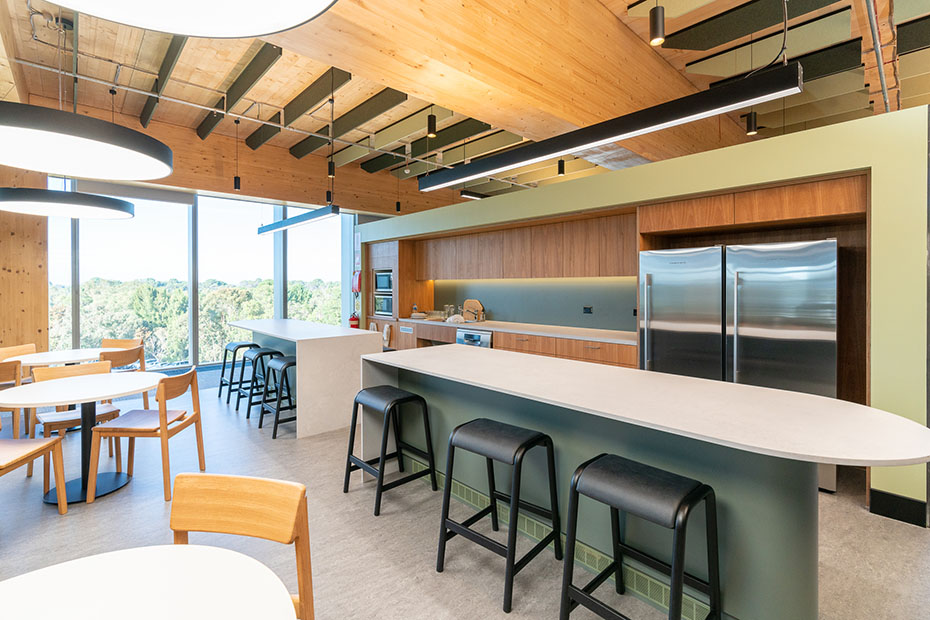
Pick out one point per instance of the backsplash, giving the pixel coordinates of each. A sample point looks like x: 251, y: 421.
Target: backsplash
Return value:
x: 547, y: 301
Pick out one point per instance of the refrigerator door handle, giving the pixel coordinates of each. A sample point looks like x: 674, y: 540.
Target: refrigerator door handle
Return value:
x: 736, y: 327
x: 647, y: 289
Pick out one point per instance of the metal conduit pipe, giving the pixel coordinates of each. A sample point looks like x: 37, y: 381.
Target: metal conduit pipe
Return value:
x: 877, y: 48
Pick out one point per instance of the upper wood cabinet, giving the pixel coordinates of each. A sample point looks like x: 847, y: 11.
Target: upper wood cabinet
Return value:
x: 517, y: 246
x: 691, y: 214
x: 581, y: 248
x: 491, y: 254
x: 818, y: 199
x: 546, y: 251
x: 617, y: 245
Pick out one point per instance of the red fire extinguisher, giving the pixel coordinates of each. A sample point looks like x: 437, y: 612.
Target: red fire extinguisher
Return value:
x: 353, y: 320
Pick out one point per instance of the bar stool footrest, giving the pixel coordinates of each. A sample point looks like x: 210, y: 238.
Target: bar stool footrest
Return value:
x: 658, y: 565
x: 585, y: 599
x: 490, y: 544
x: 539, y: 511
x: 369, y: 467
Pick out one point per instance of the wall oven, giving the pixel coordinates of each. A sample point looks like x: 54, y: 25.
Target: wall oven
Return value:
x: 384, y: 305
x: 384, y: 281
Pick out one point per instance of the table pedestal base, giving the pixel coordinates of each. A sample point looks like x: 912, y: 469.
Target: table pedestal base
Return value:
x: 107, y: 482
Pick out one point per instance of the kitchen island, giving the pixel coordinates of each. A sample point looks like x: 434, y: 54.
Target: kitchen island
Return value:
x: 327, y: 373
x: 757, y: 447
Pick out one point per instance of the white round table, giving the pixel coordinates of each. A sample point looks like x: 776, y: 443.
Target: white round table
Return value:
x: 53, y: 358
x: 87, y: 390
x: 181, y: 582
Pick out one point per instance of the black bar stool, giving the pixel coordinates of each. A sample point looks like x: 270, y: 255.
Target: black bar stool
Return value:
x: 277, y: 379
x: 652, y: 494
x: 387, y: 399
x: 254, y: 387
x: 508, y: 444
x: 232, y: 347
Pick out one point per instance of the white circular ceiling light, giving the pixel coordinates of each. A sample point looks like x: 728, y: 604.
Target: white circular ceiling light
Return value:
x: 217, y: 19
x: 46, y: 202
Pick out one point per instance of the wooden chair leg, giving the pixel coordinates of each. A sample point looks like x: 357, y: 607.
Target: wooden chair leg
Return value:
x: 166, y: 467
x: 110, y: 444
x: 46, y: 432
x: 60, y: 489
x: 132, y: 455
x: 199, y: 429
x: 16, y: 413
x: 119, y: 454
x: 95, y: 441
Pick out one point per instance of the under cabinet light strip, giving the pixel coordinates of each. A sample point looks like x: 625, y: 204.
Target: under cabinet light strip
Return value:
x: 773, y: 84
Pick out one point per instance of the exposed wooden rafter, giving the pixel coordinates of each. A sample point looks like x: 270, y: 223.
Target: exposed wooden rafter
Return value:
x: 391, y: 134
x: 164, y: 72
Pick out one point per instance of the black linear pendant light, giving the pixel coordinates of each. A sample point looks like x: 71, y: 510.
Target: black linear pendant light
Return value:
x: 657, y: 25
x: 771, y: 84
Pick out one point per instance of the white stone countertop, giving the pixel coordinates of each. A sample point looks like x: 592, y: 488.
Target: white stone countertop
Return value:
x: 296, y: 330
x: 766, y: 421
x: 531, y: 329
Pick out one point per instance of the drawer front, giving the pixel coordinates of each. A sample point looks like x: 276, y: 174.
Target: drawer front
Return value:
x: 533, y: 344
x: 439, y: 333
x: 601, y: 352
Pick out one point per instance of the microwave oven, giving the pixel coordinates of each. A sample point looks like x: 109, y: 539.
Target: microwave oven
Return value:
x: 384, y: 305
x: 384, y: 281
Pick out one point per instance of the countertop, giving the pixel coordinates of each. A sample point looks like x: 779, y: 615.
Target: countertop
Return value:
x: 531, y: 329
x: 766, y: 421
x: 296, y: 330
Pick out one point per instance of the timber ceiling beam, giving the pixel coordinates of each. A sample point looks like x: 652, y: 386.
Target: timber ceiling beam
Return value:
x: 359, y: 115
x: 391, y: 134
x: 308, y: 100
x: 14, y: 71
x: 536, y: 73
x: 444, y: 137
x: 175, y: 47
x: 250, y: 75
x: 469, y: 150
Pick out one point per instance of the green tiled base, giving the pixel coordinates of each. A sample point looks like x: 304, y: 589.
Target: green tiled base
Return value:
x: 638, y: 583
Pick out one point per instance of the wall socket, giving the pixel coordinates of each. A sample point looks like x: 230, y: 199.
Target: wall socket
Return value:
x: 587, y: 310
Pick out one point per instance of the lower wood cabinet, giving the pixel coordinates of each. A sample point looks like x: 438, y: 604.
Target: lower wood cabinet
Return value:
x: 436, y: 333
x: 524, y: 343
x: 405, y: 338
x: 379, y: 325
x: 568, y: 348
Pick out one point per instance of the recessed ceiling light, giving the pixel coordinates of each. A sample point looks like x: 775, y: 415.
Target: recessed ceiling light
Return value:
x: 46, y: 202
x: 217, y: 19
x: 74, y: 145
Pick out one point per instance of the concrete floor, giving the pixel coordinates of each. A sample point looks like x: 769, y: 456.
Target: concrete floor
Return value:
x: 365, y: 567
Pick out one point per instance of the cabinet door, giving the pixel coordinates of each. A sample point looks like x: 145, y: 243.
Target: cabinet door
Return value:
x: 490, y: 254
x: 467, y: 258
x: 546, y: 257
x: 424, y: 267
x: 445, y: 260
x: 405, y: 338
x: 691, y: 214
x: 517, y: 248
x: 832, y: 197
x: 617, y: 252
x: 581, y: 248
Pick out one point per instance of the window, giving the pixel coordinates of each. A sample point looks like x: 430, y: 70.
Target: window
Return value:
x: 314, y: 289
x: 236, y: 268
x: 59, y: 277
x: 134, y: 277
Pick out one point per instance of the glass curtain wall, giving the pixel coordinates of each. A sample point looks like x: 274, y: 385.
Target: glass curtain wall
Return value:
x: 314, y: 290
x: 59, y: 276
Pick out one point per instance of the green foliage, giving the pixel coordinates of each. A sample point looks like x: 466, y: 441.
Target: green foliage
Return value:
x: 157, y: 311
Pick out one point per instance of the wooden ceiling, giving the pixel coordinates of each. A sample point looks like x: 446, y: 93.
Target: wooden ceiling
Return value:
x: 526, y: 71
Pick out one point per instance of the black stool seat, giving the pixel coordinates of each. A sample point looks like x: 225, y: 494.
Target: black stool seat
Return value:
x: 234, y: 348
x: 508, y: 444
x: 282, y: 362
x: 494, y: 440
x: 278, y: 382
x: 251, y: 354
x: 648, y: 492
x: 659, y: 496
x: 254, y: 387
x: 388, y: 399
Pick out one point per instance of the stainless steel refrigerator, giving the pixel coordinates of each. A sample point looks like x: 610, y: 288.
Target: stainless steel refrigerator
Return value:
x: 756, y: 314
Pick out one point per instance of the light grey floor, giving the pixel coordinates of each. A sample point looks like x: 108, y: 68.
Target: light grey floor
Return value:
x: 366, y: 567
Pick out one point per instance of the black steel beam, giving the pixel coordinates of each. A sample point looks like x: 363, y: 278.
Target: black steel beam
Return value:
x: 164, y: 72
x: 315, y: 94
x: 383, y: 161
x: 253, y: 72
x: 444, y: 137
x: 359, y: 115
x: 828, y: 61
x: 264, y: 133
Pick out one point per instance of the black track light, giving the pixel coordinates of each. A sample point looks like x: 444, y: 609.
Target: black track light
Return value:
x: 561, y: 167
x: 657, y: 25
x: 331, y: 169
x: 431, y: 126
x: 752, y: 124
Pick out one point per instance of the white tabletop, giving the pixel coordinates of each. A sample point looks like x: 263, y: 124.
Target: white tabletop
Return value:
x: 181, y: 582
x: 80, y: 389
x: 70, y: 356
x: 778, y: 423
x: 296, y: 330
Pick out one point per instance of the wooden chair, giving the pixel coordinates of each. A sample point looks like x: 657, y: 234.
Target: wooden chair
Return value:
x: 16, y: 350
x: 120, y: 343
x: 63, y: 418
x: 15, y: 453
x: 245, y: 506
x: 127, y: 357
x: 11, y: 375
x: 163, y: 424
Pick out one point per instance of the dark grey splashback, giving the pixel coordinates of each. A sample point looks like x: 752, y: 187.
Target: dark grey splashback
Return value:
x: 547, y: 301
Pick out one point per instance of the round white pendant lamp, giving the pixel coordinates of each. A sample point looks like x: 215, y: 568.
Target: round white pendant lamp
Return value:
x: 75, y: 205
x: 74, y: 145
x: 218, y: 19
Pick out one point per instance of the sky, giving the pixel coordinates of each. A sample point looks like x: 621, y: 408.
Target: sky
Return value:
x: 154, y: 244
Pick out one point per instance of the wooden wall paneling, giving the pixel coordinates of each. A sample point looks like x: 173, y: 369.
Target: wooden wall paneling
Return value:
x: 23, y: 268
x: 490, y: 254
x: 410, y: 289
x: 581, y: 248
x: 618, y: 253
x: 690, y: 214
x: 467, y: 257
x: 422, y: 259
x: 546, y: 256
x: 817, y: 199
x: 517, y: 251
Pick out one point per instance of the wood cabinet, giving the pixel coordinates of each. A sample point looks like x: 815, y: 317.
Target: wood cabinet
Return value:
x: 690, y: 214
x: 524, y: 343
x: 437, y: 333
x: 490, y: 254
x: 820, y: 199
x: 405, y: 338
x: 546, y: 251
x: 581, y: 249
x: 380, y: 324
x: 517, y: 246
x: 601, y: 352
x: 617, y: 254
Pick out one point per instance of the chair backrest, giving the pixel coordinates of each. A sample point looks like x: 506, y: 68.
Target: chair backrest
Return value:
x: 11, y: 372
x: 59, y: 372
x: 125, y: 357
x: 120, y: 343
x: 245, y: 506
x: 19, y: 349
x: 170, y: 388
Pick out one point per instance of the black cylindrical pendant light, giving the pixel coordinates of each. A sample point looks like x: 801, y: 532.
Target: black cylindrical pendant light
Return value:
x: 329, y: 197
x: 431, y: 126
x: 561, y: 167
x: 331, y: 169
x: 657, y: 25
x: 397, y: 206
x: 752, y: 124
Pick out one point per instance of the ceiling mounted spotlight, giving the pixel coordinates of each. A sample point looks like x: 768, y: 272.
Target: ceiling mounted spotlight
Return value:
x: 431, y: 126
x: 74, y: 145
x: 75, y: 205
x: 216, y: 19
x: 657, y: 25
x: 561, y: 167
x: 752, y: 124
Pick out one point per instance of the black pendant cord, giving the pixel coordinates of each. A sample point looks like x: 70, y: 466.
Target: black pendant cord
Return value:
x: 784, y: 43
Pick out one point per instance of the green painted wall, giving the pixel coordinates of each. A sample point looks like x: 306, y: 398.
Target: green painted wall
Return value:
x: 892, y: 147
